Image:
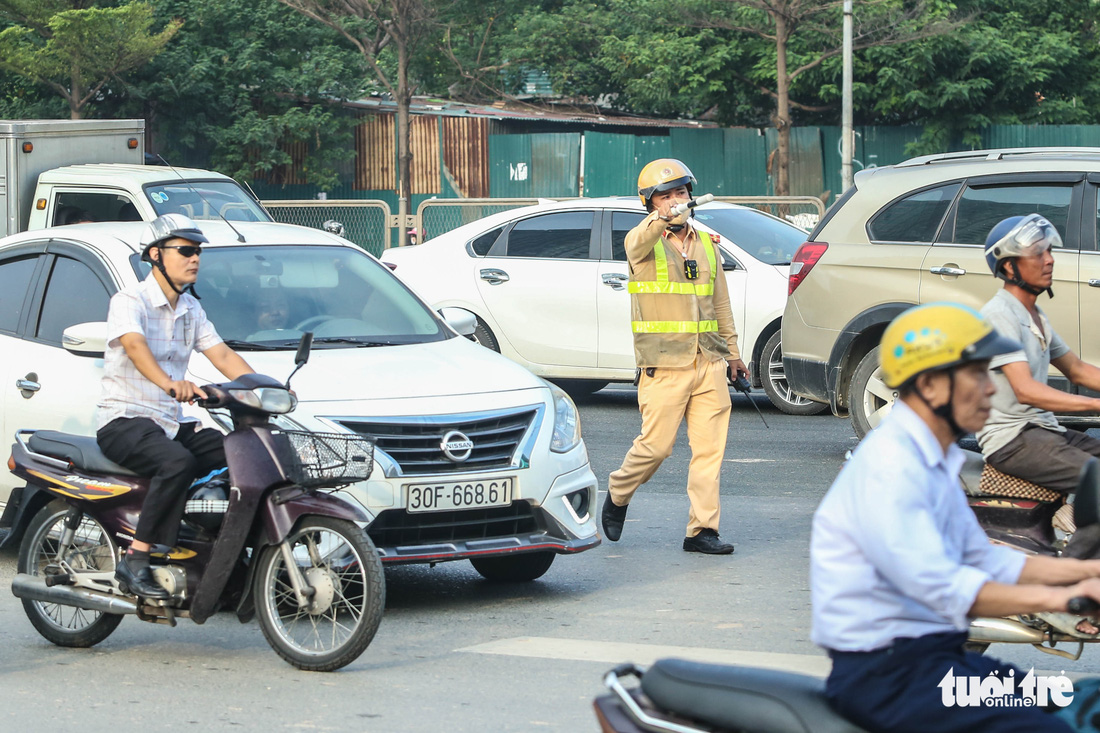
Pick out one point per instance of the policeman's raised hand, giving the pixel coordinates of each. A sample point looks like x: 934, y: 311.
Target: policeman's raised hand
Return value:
x: 666, y: 212
x: 184, y: 391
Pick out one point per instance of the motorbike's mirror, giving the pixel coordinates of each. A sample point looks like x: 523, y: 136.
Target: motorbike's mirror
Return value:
x: 1086, y: 507
x: 302, y: 356
x: 303, y: 348
x: 86, y: 339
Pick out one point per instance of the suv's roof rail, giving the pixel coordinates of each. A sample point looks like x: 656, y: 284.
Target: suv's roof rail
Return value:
x: 999, y: 154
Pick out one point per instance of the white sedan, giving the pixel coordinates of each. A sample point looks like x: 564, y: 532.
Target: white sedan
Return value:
x: 547, y: 285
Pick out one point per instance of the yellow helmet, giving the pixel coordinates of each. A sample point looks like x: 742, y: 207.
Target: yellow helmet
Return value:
x: 663, y: 174
x: 937, y: 336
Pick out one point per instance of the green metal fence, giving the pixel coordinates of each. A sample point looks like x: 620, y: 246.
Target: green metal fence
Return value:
x: 366, y: 222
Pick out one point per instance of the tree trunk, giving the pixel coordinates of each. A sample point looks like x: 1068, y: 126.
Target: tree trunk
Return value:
x: 783, y: 109
x: 404, y: 154
x: 74, y: 93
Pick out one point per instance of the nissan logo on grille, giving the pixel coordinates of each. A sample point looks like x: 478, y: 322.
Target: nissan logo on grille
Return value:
x: 456, y: 446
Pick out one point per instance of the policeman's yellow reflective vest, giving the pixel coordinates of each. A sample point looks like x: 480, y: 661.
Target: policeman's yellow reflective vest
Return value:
x: 674, y: 317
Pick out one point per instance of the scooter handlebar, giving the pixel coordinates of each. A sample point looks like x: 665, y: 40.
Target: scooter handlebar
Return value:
x: 1082, y: 605
x: 215, y: 396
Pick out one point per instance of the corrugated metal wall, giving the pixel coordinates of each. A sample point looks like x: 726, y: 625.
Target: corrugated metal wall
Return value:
x: 523, y: 166
x: 477, y: 157
x: 466, y: 155
x: 376, y: 153
x: 424, y: 146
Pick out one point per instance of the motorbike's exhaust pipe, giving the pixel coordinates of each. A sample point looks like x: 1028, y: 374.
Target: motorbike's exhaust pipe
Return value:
x: 33, y: 587
x: 1004, y: 631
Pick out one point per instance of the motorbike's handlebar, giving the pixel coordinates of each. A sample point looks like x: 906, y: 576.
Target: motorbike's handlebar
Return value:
x: 215, y: 396
x: 1082, y: 605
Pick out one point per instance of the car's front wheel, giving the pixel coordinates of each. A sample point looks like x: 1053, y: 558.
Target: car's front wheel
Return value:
x: 514, y: 568
x: 870, y: 398
x: 775, y: 382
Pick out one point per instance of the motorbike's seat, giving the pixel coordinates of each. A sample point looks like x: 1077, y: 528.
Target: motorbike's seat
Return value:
x: 732, y: 697
x: 80, y: 450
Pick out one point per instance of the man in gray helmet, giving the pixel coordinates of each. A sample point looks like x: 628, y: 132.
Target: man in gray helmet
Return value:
x: 1022, y: 436
x: 152, y: 329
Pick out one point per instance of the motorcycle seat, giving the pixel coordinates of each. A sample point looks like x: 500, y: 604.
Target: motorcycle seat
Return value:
x: 731, y: 697
x: 81, y: 451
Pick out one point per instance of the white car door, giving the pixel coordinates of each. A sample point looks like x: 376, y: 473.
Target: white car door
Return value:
x: 539, y: 284
x: 60, y: 389
x: 17, y: 274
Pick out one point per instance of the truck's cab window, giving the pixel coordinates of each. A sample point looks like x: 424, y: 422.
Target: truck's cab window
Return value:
x: 72, y: 207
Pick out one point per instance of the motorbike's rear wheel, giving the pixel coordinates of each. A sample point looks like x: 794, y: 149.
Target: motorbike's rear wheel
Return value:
x: 340, y: 563
x: 91, y: 549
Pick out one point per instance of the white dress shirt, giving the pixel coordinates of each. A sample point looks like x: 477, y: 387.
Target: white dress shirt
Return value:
x: 171, y: 334
x: 896, y: 551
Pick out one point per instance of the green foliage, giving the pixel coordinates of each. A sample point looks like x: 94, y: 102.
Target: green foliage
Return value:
x: 243, y: 80
x: 76, y: 50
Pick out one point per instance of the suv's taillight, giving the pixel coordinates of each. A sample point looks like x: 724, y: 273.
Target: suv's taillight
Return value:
x: 803, y: 261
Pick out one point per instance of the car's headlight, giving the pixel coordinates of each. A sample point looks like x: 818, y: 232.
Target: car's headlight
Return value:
x: 268, y: 399
x: 567, y: 423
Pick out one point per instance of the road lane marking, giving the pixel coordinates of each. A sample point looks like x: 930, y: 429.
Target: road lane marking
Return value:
x: 750, y: 460
x: 609, y: 652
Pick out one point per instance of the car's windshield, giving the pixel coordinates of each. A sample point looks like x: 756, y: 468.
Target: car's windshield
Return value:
x: 768, y: 240
x: 263, y: 297
x: 205, y: 200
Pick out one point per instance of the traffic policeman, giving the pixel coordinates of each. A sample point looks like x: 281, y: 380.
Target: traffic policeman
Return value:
x: 685, y: 342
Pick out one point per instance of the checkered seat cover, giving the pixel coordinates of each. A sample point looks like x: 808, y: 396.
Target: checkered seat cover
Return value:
x: 995, y: 483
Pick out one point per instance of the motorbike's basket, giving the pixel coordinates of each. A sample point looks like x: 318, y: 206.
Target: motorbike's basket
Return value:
x: 328, y: 459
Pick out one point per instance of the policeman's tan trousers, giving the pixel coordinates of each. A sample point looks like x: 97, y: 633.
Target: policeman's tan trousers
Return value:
x: 700, y: 392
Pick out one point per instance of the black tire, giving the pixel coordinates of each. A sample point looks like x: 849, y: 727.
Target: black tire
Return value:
x: 520, y: 568
x: 775, y: 383
x: 485, y: 337
x: 869, y: 398
x: 341, y: 563
x: 91, y: 549
x: 581, y: 387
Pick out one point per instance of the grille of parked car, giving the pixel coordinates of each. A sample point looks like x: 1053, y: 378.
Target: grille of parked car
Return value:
x: 416, y: 446
x: 397, y: 528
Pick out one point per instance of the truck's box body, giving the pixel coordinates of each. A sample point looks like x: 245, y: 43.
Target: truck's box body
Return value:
x: 57, y: 143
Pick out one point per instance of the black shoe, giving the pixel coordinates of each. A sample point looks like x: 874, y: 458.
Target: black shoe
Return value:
x: 613, y: 517
x: 707, y: 542
x: 140, y: 582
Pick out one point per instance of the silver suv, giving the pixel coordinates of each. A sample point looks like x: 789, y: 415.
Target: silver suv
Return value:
x: 914, y: 233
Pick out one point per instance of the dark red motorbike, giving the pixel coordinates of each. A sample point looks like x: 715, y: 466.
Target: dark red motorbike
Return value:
x: 262, y: 540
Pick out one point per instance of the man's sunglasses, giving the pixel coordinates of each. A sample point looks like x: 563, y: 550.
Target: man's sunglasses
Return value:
x: 185, y: 250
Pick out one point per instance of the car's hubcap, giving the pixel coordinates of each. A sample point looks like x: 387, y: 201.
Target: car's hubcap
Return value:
x: 878, y: 399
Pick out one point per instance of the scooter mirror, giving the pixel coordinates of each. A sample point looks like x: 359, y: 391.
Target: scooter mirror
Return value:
x: 303, y: 348
x: 1086, y: 507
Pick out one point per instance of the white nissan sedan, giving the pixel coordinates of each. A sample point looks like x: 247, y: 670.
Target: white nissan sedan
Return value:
x: 475, y: 458
x: 547, y: 285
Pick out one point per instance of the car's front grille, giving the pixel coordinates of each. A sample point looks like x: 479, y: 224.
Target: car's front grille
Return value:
x: 415, y: 445
x: 398, y: 528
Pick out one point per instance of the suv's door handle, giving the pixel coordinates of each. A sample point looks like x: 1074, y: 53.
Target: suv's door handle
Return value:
x: 615, y: 280
x: 495, y: 277
x: 944, y: 270
x: 1094, y: 283
x: 28, y: 385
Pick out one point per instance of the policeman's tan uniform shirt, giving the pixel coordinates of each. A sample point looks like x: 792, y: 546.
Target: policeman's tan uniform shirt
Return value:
x: 684, y: 331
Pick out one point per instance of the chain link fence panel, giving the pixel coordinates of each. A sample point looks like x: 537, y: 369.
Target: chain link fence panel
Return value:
x: 366, y: 221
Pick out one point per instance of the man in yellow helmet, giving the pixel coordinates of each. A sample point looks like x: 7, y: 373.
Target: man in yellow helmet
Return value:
x: 898, y: 562
x: 684, y: 344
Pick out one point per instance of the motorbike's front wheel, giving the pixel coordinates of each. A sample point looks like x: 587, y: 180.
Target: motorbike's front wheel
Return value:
x: 340, y: 566
x: 90, y: 549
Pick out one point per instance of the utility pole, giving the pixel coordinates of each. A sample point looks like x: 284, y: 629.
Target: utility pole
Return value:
x: 847, y: 138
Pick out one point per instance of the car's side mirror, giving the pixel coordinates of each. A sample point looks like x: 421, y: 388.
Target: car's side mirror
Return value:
x: 86, y: 339
x: 462, y: 321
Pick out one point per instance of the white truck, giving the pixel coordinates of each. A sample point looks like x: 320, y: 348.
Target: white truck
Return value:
x: 56, y: 172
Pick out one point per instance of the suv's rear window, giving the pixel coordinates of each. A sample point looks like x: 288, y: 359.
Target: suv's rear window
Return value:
x: 915, y: 218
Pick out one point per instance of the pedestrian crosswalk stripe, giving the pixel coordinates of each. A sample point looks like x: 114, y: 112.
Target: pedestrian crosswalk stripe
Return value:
x: 610, y: 652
